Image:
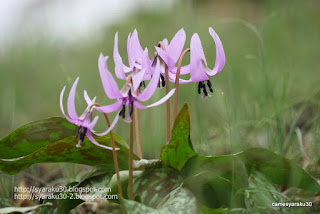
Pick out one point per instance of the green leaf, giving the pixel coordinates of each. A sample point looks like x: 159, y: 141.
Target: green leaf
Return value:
x: 22, y: 209
x: 229, y: 167
x: 207, y: 210
x: 65, y: 150
x: 179, y: 201
x: 62, y: 206
x: 211, y: 190
x: 35, y: 135
x: 152, y: 186
x: 278, y: 169
x: 261, y: 194
x: 179, y: 149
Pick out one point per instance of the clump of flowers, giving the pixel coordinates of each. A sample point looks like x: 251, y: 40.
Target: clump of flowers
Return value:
x: 164, y: 67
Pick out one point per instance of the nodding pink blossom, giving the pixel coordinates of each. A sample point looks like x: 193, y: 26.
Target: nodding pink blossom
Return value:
x: 139, y: 63
x: 127, y: 96
x: 199, y: 70
x: 85, y: 121
x: 170, y: 54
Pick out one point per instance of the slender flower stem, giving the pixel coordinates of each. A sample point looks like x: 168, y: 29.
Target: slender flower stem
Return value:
x: 130, y: 182
x: 167, y: 91
x: 114, y: 153
x: 137, y: 126
x: 176, y: 84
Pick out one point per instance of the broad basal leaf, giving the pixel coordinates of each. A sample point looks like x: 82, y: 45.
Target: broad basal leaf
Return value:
x: 179, y: 201
x: 152, y: 186
x: 35, y: 135
x: 179, y: 149
x: 22, y: 209
x: 278, y: 169
x: 65, y: 150
x: 228, y: 167
x: 211, y: 190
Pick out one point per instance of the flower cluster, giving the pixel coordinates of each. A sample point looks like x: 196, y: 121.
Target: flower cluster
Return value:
x: 139, y: 70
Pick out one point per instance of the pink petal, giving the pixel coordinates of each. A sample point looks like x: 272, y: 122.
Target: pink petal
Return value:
x: 61, y: 106
x: 71, y: 101
x: 90, y: 137
x: 197, y: 71
x: 119, y: 66
x: 130, y: 54
x: 110, y: 128
x: 93, y: 123
x: 150, y: 89
x: 137, y: 78
x: 172, y: 78
x: 176, y: 45
x: 220, y: 55
x: 110, y: 108
x: 166, y: 58
x: 110, y: 86
x: 135, y: 47
x: 184, y: 70
x: 147, y: 65
x: 87, y: 98
x: 159, y: 102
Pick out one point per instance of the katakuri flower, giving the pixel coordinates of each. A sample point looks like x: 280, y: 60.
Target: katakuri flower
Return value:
x: 127, y: 96
x: 170, y: 54
x: 199, y: 70
x: 84, y: 121
x: 139, y: 63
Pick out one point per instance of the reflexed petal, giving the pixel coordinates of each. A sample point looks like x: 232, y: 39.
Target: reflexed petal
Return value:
x: 172, y: 78
x: 71, y: 101
x: 119, y: 66
x: 165, y: 42
x: 110, y: 108
x: 61, y: 105
x: 135, y: 47
x: 130, y: 54
x: 90, y: 137
x: 137, y: 78
x: 165, y: 57
x: 159, y: 102
x: 197, y: 71
x: 110, y: 86
x: 184, y: 70
x: 147, y: 65
x: 149, y: 90
x: 220, y: 55
x: 176, y: 45
x: 87, y: 98
x: 93, y: 123
x: 110, y: 128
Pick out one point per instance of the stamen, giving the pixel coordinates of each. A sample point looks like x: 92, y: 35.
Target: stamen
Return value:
x: 83, y: 134
x: 123, y: 111
x: 199, y: 87
x: 205, y: 91
x: 210, y: 86
x: 78, y: 131
x: 163, y: 82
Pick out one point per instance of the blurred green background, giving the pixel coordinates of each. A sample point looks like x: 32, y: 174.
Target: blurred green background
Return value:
x: 266, y: 96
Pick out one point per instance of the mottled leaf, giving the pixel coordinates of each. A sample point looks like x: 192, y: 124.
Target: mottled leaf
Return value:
x: 152, y: 186
x: 35, y: 135
x: 261, y: 193
x: 278, y: 169
x: 65, y: 150
x: 178, y: 201
x: 179, y: 149
x: 22, y: 209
